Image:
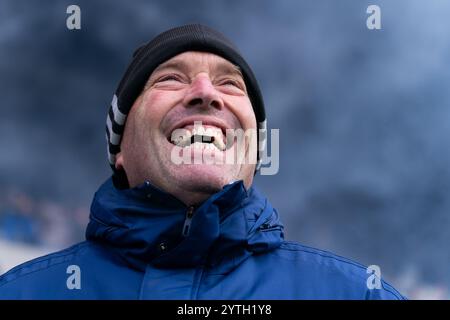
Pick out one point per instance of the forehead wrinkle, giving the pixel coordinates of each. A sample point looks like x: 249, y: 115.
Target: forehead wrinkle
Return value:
x: 228, y: 68
x: 177, y: 64
x: 198, y: 58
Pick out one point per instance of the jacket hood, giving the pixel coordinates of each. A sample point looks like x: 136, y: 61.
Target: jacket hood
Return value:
x: 147, y: 225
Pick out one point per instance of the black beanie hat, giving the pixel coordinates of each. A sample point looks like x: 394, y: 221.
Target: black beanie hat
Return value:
x: 146, y: 58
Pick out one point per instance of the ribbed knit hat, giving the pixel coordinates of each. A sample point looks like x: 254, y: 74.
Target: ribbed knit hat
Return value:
x: 146, y: 58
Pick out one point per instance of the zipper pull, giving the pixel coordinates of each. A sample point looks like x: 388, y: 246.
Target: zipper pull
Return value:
x: 187, y: 221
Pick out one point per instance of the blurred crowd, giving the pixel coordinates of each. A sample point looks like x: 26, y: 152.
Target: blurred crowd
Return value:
x: 40, y: 222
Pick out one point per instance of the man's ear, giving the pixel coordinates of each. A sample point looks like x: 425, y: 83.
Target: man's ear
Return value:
x: 119, y: 161
x: 120, y: 179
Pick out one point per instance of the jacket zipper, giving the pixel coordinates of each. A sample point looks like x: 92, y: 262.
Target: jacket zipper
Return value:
x: 187, y: 221
x: 200, y: 269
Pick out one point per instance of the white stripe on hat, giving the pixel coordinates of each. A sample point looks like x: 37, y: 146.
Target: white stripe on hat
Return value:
x: 119, y: 117
x: 114, y: 138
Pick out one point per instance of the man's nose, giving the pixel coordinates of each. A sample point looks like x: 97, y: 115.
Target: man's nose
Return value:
x: 203, y: 94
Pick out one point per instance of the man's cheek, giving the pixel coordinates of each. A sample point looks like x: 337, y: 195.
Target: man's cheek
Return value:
x: 158, y: 100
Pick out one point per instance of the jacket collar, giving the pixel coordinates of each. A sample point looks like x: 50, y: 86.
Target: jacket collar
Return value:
x: 147, y: 225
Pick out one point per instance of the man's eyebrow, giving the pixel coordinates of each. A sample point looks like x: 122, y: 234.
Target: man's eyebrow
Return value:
x: 229, y: 68
x: 173, y: 64
x: 222, y: 67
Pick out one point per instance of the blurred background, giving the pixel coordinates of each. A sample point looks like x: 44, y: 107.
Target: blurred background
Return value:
x: 364, y: 119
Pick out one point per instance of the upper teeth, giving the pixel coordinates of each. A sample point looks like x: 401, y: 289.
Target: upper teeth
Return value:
x: 183, y: 137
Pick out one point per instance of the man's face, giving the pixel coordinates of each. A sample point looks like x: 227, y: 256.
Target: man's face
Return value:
x: 189, y: 88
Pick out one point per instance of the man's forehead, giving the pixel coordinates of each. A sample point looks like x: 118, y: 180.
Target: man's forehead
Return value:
x: 189, y: 60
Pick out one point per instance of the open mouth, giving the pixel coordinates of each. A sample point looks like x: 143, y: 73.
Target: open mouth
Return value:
x: 200, y: 136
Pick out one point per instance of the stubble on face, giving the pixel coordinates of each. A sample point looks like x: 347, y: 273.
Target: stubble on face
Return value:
x: 192, y: 85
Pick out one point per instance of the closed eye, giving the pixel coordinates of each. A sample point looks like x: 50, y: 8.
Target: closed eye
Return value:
x: 233, y: 84
x: 169, y: 77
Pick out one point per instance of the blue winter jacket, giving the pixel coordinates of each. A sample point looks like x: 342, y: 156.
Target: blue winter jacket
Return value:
x: 143, y: 243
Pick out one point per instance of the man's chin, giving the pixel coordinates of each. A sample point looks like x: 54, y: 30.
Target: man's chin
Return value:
x: 201, y: 177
